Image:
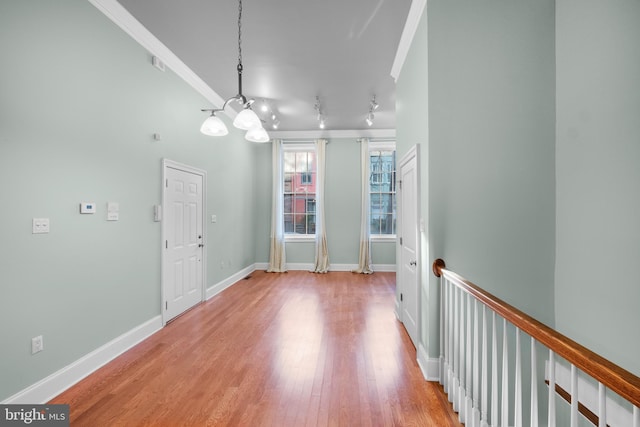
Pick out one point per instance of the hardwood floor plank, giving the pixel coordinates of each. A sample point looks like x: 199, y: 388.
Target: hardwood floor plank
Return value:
x: 294, y: 349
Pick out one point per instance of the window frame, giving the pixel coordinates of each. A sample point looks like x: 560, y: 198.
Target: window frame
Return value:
x: 297, y: 147
x: 386, y: 145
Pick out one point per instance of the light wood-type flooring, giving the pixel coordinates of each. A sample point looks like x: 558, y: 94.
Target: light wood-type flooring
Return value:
x: 293, y: 349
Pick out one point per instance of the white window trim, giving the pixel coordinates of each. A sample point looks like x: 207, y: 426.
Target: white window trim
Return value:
x: 382, y: 145
x: 298, y: 146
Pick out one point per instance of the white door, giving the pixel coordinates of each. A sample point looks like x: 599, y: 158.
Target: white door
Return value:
x: 183, y: 266
x: 409, y: 245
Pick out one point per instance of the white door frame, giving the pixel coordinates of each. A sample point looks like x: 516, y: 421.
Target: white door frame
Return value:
x: 166, y: 164
x: 414, y: 152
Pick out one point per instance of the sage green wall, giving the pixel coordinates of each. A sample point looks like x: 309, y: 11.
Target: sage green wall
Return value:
x: 597, y: 288
x: 342, y: 209
x: 490, y: 174
x: 412, y: 116
x: 80, y: 102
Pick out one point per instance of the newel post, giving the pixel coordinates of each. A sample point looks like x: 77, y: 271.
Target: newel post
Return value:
x: 437, y: 267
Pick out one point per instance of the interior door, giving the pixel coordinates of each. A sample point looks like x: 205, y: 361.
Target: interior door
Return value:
x: 409, y: 245
x: 183, y: 268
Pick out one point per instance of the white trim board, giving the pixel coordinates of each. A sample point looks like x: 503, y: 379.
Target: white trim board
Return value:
x: 409, y: 31
x: 224, y: 284
x: 51, y: 386
x: 130, y: 25
x: 307, y: 266
x: 430, y: 367
x: 315, y: 134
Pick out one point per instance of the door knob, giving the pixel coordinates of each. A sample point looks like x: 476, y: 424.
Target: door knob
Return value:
x: 413, y: 263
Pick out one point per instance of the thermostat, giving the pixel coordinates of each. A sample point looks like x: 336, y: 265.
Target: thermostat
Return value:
x: 87, y: 208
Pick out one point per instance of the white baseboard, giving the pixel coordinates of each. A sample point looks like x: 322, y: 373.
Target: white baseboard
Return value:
x: 389, y: 268
x: 430, y: 367
x: 224, y: 284
x: 304, y: 266
x: 51, y: 386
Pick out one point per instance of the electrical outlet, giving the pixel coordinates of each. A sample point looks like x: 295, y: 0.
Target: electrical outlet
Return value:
x: 37, y: 344
x: 40, y: 225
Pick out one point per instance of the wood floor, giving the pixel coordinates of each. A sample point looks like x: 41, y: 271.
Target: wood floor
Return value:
x: 294, y: 349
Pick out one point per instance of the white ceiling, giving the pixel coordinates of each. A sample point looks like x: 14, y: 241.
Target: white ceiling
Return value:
x: 292, y: 51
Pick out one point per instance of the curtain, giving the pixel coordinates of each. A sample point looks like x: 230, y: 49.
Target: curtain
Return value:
x: 364, y: 260
x: 277, y: 255
x: 322, y: 252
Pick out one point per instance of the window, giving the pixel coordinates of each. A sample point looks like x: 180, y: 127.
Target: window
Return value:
x: 382, y: 189
x: 299, y: 190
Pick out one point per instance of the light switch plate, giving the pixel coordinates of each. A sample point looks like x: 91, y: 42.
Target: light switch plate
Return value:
x: 87, y: 208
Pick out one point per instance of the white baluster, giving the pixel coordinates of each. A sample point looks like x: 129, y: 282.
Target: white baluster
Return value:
x: 469, y: 373
x: 494, y: 374
x: 574, y: 396
x: 476, y: 365
x: 505, y: 376
x: 534, y: 384
x: 484, y: 397
x: 444, y: 373
x: 452, y: 290
x: 443, y: 317
x: 551, y: 419
x: 602, y: 405
x: 461, y: 375
x: 456, y: 351
x: 636, y: 416
x: 517, y: 409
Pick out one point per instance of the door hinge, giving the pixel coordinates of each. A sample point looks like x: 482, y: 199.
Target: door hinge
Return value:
x: 401, y: 241
x: 400, y: 297
x: 400, y: 184
x: 166, y: 183
x: 166, y: 244
x: 166, y: 305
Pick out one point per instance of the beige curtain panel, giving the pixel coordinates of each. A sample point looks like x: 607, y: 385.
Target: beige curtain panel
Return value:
x: 277, y: 255
x: 322, y: 251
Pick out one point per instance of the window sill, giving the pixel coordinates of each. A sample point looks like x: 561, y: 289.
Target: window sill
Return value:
x: 383, y: 238
x: 292, y: 238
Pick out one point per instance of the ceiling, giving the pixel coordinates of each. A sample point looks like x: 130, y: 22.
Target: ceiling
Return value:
x: 292, y: 51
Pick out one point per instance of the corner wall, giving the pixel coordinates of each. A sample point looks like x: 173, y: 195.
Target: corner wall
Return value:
x: 80, y: 104
x: 597, y: 289
x: 490, y: 170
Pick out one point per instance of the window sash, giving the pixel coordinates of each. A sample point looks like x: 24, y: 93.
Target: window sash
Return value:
x: 299, y: 190
x: 382, y: 189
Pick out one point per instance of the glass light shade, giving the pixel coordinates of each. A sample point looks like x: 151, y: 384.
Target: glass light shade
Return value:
x: 257, y: 134
x: 213, y: 126
x: 246, y: 119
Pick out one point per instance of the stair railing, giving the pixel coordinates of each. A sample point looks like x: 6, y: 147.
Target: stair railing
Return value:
x: 486, y: 382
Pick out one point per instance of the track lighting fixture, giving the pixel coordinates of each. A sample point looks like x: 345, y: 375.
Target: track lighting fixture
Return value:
x: 369, y: 118
x: 320, y: 115
x: 245, y: 119
x: 373, y: 105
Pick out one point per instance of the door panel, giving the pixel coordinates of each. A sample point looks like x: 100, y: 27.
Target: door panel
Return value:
x: 409, y: 249
x: 183, y: 271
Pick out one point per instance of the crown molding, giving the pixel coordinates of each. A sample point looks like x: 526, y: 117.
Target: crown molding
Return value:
x: 409, y: 31
x: 315, y: 134
x: 130, y: 25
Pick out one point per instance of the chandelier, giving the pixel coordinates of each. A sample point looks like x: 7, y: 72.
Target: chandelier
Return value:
x: 246, y: 119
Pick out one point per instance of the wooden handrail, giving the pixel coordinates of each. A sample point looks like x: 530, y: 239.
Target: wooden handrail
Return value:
x: 608, y: 373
